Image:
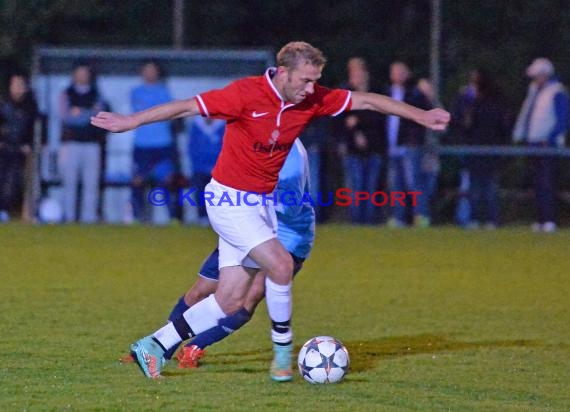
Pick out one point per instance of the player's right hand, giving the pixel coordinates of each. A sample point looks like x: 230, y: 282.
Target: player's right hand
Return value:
x: 113, y: 122
x: 435, y: 119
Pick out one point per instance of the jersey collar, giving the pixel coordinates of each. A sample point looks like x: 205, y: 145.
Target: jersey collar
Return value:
x: 269, y: 73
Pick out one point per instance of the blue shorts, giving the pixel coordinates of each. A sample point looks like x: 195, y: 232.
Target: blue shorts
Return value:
x: 210, y: 271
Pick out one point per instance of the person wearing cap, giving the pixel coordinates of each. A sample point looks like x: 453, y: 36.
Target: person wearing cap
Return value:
x: 543, y: 122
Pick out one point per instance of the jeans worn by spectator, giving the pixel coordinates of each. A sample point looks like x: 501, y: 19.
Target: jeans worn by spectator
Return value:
x: 406, y: 174
x: 364, y: 173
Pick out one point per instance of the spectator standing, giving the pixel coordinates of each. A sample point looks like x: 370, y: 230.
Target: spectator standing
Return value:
x: 80, y: 153
x: 430, y: 164
x: 363, y: 144
x: 18, y: 113
x: 154, y: 153
x: 485, y: 123
x: 464, y: 101
x: 204, y: 146
x: 543, y: 122
x: 461, y: 116
x: 405, y: 149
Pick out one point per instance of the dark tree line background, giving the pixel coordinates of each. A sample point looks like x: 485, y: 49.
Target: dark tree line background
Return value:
x: 502, y: 36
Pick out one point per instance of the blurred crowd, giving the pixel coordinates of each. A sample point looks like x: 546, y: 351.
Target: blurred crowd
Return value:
x: 391, y: 154
x: 376, y: 152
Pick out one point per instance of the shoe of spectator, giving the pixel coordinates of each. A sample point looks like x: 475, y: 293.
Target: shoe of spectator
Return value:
x: 421, y: 221
x: 549, y: 227
x: 394, y: 223
x: 546, y: 227
x: 473, y: 225
x: 4, y: 216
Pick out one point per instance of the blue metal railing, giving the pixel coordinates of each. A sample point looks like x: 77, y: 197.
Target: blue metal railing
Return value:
x: 509, y: 151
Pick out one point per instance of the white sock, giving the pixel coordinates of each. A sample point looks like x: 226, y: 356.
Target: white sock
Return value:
x: 279, y: 307
x: 204, y: 315
x: 167, y: 336
x: 200, y: 317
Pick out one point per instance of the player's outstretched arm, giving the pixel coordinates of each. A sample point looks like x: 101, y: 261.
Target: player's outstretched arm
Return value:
x: 435, y: 119
x: 116, y: 123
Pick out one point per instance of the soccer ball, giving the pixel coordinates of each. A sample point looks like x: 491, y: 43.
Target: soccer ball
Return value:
x: 323, y: 359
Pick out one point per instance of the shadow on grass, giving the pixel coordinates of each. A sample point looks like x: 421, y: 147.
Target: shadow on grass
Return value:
x: 364, y: 355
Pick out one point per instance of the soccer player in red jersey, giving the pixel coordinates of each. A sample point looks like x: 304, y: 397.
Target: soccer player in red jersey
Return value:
x: 264, y: 115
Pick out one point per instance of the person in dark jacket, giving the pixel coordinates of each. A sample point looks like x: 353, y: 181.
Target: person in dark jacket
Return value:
x: 485, y: 123
x: 80, y: 154
x: 405, y: 149
x: 18, y: 113
x: 363, y: 145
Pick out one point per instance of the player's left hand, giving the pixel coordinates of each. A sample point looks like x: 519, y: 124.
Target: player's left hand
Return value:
x: 435, y: 119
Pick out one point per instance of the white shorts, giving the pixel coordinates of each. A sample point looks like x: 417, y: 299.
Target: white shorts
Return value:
x: 242, y: 221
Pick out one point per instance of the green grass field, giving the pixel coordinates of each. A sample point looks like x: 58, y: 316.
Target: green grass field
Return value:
x: 434, y: 320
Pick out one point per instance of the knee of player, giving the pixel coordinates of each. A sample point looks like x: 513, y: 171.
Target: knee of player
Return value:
x: 282, y: 272
x: 231, y: 306
x: 254, y: 296
x: 194, y: 296
x: 288, y: 265
x: 231, y: 302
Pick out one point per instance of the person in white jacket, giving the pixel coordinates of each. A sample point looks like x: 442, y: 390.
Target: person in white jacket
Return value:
x: 543, y: 122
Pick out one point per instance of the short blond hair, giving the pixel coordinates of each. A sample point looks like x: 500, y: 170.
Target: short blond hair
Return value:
x: 296, y: 52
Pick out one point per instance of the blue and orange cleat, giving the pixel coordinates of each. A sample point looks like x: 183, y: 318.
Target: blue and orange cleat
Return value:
x: 149, y: 356
x: 281, y: 370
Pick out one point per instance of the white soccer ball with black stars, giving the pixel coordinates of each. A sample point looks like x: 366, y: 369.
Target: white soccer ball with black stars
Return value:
x: 323, y: 359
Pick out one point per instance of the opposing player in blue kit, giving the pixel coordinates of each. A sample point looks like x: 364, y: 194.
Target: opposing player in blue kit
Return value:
x: 296, y: 230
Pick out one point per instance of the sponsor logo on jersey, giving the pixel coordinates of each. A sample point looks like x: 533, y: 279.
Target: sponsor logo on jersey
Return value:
x: 268, y: 148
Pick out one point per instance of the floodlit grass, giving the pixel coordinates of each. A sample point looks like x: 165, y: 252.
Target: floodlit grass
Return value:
x: 437, y: 319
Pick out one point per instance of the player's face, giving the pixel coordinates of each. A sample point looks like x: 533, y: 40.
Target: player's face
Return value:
x: 300, y: 82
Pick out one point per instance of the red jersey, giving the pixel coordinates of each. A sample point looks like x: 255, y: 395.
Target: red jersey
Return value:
x: 261, y: 128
